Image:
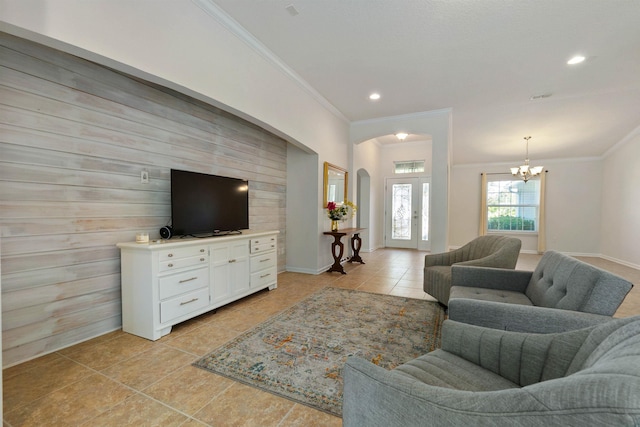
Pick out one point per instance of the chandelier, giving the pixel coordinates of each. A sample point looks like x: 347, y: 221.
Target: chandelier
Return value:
x: 525, y: 171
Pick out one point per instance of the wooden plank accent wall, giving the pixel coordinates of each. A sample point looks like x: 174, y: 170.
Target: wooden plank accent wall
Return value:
x: 74, y: 137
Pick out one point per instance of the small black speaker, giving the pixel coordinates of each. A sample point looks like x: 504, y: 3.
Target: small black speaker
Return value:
x: 166, y: 232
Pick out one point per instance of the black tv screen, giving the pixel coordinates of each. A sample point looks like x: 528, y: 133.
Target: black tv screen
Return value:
x: 208, y: 204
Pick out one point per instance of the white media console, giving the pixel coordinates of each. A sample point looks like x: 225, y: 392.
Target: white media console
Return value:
x: 168, y: 282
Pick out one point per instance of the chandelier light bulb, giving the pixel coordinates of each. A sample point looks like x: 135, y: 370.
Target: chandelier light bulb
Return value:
x: 525, y: 171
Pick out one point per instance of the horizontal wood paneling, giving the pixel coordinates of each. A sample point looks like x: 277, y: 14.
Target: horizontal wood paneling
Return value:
x: 74, y: 137
x: 59, y: 291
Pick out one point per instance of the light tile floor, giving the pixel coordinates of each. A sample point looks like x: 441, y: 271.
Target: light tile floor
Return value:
x: 119, y: 379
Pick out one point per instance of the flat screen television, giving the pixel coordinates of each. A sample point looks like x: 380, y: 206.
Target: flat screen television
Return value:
x: 208, y: 204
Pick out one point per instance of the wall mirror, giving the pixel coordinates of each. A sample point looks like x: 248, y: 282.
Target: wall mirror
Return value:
x: 335, y: 184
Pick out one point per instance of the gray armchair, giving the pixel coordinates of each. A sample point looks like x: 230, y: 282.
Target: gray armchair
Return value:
x: 562, y: 293
x: 485, y: 251
x: 488, y: 377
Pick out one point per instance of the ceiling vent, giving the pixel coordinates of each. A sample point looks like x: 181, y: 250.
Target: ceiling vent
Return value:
x: 292, y: 10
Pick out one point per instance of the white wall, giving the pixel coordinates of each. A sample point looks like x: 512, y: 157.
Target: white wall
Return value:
x: 418, y: 150
x: 574, y: 194
x: 367, y: 156
x: 301, y: 215
x: 621, y: 202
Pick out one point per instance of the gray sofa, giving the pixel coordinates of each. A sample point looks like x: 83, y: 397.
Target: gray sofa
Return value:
x: 488, y: 377
x: 484, y: 251
x: 562, y: 293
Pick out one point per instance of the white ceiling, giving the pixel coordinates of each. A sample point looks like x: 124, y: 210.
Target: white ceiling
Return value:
x: 484, y: 59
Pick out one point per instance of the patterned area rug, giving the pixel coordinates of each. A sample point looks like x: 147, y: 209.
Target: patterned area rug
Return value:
x: 299, y: 353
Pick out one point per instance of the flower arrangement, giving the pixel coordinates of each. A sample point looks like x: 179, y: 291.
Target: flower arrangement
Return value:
x: 338, y: 213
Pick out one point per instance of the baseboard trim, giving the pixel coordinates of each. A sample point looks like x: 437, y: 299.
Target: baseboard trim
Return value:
x: 304, y: 270
x: 620, y: 261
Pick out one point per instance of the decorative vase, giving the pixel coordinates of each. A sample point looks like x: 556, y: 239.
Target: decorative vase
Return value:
x: 334, y: 225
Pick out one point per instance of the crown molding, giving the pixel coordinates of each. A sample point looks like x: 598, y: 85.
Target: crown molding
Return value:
x: 234, y: 27
x: 631, y: 135
x: 537, y: 161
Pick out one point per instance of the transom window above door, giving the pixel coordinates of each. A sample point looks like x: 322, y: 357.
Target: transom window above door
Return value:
x: 408, y: 166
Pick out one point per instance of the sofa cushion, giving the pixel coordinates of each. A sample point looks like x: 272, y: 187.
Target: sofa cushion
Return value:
x: 560, y: 281
x: 487, y: 294
x: 443, y: 369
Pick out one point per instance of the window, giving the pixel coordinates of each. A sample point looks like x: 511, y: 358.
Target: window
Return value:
x: 411, y: 166
x: 513, y: 205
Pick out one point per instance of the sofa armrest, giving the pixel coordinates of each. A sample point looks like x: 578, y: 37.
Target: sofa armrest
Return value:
x: 445, y: 258
x: 491, y: 278
x: 520, y: 318
x: 495, y: 259
x: 375, y: 397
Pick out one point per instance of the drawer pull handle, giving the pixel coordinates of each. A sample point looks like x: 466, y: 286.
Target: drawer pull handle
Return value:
x: 232, y: 261
x: 190, y: 301
x: 188, y: 280
x: 265, y: 275
x: 202, y: 259
x: 170, y: 265
x: 265, y: 260
x: 201, y: 250
x: 170, y: 255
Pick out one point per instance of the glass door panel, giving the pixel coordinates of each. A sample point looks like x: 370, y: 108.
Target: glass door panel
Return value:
x: 407, y: 213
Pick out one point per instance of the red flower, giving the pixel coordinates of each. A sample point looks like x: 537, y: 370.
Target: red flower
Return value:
x: 331, y: 205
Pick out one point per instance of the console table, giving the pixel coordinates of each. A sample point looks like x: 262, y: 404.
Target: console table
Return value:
x: 337, y: 247
x: 166, y: 282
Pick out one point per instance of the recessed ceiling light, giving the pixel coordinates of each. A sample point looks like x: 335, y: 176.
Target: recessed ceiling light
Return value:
x: 576, y: 60
x: 374, y: 96
x: 402, y: 135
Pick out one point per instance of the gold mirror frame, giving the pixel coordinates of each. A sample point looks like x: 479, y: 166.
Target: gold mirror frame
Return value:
x: 333, y: 175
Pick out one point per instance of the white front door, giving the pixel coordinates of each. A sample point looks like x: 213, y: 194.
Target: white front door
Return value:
x: 407, y: 213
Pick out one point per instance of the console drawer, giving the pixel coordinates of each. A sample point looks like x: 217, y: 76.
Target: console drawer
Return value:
x: 179, y: 263
x: 263, y: 244
x: 261, y: 262
x: 263, y: 278
x: 263, y: 240
x: 184, y: 304
x: 180, y: 283
x: 262, y: 247
x: 176, y: 253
